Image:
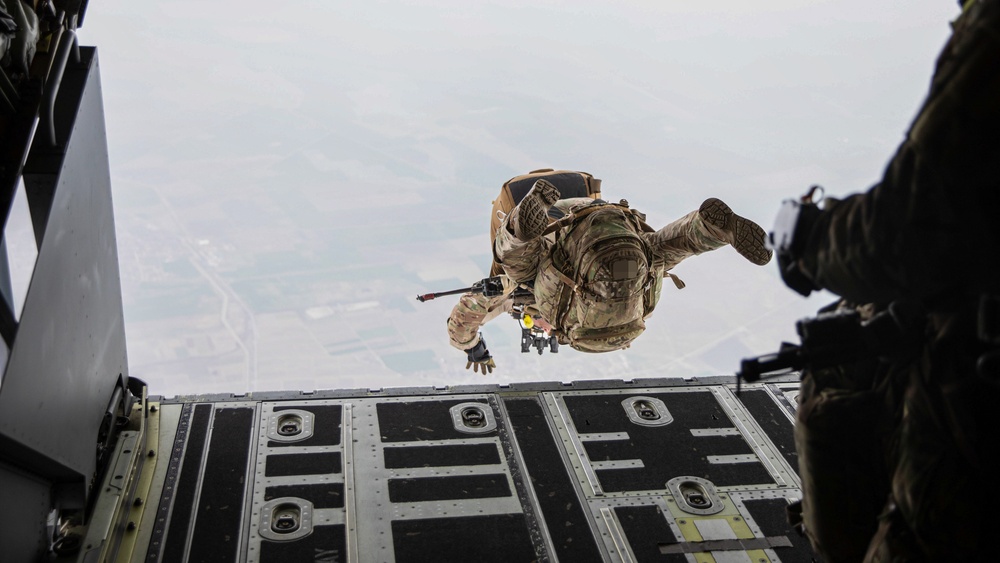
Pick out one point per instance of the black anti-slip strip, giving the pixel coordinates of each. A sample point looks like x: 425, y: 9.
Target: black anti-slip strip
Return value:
x: 420, y: 420
x: 772, y: 419
x: 324, y: 544
x: 321, y: 495
x: 646, y: 529
x: 220, y: 508
x: 283, y: 465
x: 448, y: 488
x: 187, y: 484
x: 501, y: 537
x: 441, y: 456
x: 560, y: 506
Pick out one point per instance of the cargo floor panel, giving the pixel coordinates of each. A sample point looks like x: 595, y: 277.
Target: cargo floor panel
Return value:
x: 420, y: 420
x: 183, y: 481
x: 321, y: 495
x: 325, y: 543
x: 646, y: 530
x: 560, y: 504
x: 476, y: 538
x: 588, y: 475
x: 693, y: 435
x: 771, y: 516
x: 774, y: 420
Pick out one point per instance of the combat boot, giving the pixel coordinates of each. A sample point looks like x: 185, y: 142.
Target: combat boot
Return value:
x: 743, y: 234
x: 530, y: 217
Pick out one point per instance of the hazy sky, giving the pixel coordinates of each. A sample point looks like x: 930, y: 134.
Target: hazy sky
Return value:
x: 253, y: 143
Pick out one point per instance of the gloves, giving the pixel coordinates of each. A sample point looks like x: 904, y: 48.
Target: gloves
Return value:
x: 479, y: 357
x: 792, y: 229
x: 793, y: 276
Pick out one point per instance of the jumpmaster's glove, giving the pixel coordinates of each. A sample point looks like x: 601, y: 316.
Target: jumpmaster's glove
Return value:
x: 480, y: 358
x: 789, y: 238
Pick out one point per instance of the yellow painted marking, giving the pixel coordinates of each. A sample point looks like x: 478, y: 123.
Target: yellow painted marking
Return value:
x: 739, y: 526
x: 689, y: 530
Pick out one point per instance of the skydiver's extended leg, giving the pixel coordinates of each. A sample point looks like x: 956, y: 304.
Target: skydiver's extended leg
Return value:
x: 713, y: 225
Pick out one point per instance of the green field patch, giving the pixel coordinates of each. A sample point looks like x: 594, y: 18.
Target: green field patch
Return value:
x: 173, y: 302
x: 378, y: 332
x: 409, y: 362
x: 182, y: 268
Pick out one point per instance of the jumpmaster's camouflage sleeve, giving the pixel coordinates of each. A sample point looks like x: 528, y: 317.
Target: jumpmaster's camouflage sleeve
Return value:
x: 929, y: 227
x: 472, y: 311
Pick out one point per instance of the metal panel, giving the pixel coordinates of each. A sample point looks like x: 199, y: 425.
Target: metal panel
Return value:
x: 364, y: 522
x: 321, y: 518
x: 369, y: 513
x: 22, y: 523
x: 69, y: 352
x: 688, y: 526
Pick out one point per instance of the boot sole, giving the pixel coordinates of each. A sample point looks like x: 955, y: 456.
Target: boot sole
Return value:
x: 532, y: 215
x: 743, y: 234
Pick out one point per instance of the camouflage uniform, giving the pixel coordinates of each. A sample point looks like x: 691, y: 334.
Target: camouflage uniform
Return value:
x: 472, y: 311
x: 688, y: 236
x: 927, y: 233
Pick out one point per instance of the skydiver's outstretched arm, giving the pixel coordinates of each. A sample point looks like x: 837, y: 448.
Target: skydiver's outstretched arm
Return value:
x: 472, y: 311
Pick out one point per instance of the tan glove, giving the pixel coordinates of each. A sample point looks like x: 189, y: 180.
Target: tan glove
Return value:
x: 479, y: 358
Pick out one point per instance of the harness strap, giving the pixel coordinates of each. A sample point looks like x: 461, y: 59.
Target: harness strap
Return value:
x: 565, y: 279
x: 568, y: 219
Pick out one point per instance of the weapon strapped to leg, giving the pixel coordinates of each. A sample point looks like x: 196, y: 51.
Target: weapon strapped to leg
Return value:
x: 533, y: 335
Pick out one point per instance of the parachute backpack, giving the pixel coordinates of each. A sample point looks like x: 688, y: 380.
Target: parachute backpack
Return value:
x: 598, y: 285
x: 569, y: 183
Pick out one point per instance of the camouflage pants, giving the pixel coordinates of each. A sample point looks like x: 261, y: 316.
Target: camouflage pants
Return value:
x: 687, y: 236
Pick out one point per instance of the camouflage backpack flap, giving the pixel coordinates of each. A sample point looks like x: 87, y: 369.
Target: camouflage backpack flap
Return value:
x: 595, y: 285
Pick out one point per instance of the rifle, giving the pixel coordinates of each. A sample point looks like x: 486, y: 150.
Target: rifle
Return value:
x: 531, y: 335
x: 490, y: 287
x: 840, y: 337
